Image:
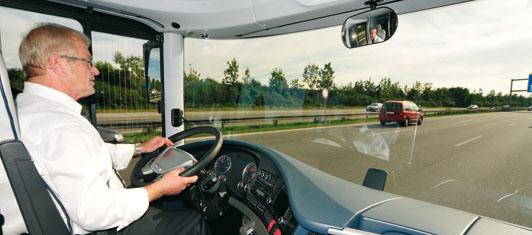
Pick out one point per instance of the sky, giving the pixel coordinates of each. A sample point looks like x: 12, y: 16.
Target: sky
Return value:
x: 478, y: 45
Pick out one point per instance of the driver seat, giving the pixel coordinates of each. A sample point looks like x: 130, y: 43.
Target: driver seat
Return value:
x: 380, y: 32
x: 36, y: 209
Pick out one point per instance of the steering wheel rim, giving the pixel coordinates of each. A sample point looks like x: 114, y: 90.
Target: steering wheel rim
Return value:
x: 137, y: 177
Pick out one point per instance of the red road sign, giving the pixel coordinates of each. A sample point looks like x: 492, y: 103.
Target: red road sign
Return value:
x: 325, y: 93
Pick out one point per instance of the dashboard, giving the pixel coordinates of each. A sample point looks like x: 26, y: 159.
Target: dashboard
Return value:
x: 253, y: 180
x: 294, y: 198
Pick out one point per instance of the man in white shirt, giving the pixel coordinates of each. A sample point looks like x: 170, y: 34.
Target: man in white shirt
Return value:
x: 374, y: 38
x: 70, y: 154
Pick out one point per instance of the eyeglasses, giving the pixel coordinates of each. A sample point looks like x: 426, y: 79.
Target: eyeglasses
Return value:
x: 89, y: 61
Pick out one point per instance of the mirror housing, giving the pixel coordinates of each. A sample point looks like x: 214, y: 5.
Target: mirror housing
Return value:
x: 370, y: 27
x: 153, y: 69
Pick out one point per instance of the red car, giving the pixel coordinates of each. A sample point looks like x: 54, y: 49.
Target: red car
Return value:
x: 402, y: 112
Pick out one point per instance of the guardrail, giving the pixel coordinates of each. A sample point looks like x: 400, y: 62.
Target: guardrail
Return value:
x: 139, y: 124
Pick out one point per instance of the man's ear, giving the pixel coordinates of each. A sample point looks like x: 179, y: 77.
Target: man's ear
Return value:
x: 54, y: 64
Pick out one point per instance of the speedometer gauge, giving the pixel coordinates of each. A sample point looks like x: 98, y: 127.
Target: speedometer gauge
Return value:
x: 222, y: 164
x: 249, y: 172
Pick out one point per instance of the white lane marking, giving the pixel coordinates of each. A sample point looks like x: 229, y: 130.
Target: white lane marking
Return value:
x: 467, y: 141
x: 388, y: 132
x: 444, y: 182
x: 512, y: 124
x: 505, y: 196
x: 467, y: 120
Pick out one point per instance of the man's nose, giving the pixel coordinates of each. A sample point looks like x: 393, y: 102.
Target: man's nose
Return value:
x: 95, y: 70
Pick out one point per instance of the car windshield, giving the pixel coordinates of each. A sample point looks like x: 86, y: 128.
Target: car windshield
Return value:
x: 392, y: 106
x: 270, y: 91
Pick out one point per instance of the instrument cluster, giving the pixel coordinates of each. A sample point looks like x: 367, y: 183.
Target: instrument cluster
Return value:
x: 242, y: 173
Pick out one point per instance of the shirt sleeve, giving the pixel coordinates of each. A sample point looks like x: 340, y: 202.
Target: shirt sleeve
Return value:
x: 79, y: 167
x: 121, y: 154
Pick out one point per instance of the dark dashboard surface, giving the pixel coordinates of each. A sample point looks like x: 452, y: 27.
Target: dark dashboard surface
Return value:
x: 316, y: 200
x: 251, y: 178
x: 243, y: 171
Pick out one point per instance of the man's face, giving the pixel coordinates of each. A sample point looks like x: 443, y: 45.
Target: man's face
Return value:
x: 373, y: 33
x: 80, y: 77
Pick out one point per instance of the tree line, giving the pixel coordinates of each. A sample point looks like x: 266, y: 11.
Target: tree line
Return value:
x: 124, y: 87
x: 242, y: 90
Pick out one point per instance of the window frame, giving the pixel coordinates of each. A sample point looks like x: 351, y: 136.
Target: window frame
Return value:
x: 90, y: 21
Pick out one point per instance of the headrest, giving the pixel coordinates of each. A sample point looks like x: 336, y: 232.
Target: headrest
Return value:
x: 380, y: 32
x: 8, y: 113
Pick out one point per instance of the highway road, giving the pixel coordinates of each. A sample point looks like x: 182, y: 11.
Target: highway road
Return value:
x: 479, y: 163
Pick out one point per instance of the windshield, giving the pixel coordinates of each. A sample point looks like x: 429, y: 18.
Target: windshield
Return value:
x: 270, y: 91
x: 392, y: 106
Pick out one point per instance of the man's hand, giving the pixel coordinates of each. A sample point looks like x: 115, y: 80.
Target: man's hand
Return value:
x: 171, y: 184
x: 154, y: 143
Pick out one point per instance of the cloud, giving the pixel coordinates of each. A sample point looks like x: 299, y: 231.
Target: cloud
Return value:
x: 104, y: 46
x: 475, y: 45
x: 15, y: 23
x: 20, y: 22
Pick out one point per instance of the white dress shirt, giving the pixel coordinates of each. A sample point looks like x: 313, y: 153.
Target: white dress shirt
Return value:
x: 72, y: 158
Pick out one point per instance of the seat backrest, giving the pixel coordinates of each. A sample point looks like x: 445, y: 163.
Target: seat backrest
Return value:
x: 39, y: 211
x: 13, y: 221
x: 21, y: 183
x: 380, y: 32
x: 8, y: 115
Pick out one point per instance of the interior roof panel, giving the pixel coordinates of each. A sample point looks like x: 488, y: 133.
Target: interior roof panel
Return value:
x: 244, y: 18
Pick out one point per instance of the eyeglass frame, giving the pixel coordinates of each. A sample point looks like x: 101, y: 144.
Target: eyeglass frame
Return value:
x: 89, y: 61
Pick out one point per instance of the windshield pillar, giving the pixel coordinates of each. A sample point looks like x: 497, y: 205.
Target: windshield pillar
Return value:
x: 173, y: 93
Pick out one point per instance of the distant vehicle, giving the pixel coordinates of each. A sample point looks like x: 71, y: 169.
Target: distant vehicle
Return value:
x: 529, y: 108
x: 108, y: 135
x: 473, y: 106
x: 506, y: 107
x: 374, y: 107
x: 402, y: 112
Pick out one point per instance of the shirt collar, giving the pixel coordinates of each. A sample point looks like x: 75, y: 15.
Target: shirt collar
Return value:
x: 56, y: 96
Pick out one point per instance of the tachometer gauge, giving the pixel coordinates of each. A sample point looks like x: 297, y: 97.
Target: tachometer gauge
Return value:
x: 249, y: 172
x: 222, y: 164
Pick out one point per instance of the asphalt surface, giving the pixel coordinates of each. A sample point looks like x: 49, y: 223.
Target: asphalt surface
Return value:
x: 478, y: 163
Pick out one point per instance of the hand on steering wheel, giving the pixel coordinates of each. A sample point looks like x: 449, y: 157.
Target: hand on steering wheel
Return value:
x: 138, y: 178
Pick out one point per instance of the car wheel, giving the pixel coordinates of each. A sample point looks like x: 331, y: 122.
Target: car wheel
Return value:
x: 383, y: 123
x: 405, y: 123
x: 420, y: 121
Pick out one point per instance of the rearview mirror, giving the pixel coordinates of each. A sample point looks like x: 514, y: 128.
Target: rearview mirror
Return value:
x: 152, y: 68
x: 370, y: 27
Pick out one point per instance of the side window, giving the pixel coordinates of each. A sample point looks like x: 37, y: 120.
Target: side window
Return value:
x: 121, y: 98
x: 121, y: 104
x: 13, y: 26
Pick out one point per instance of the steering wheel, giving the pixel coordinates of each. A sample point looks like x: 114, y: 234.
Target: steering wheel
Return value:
x: 138, y: 178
